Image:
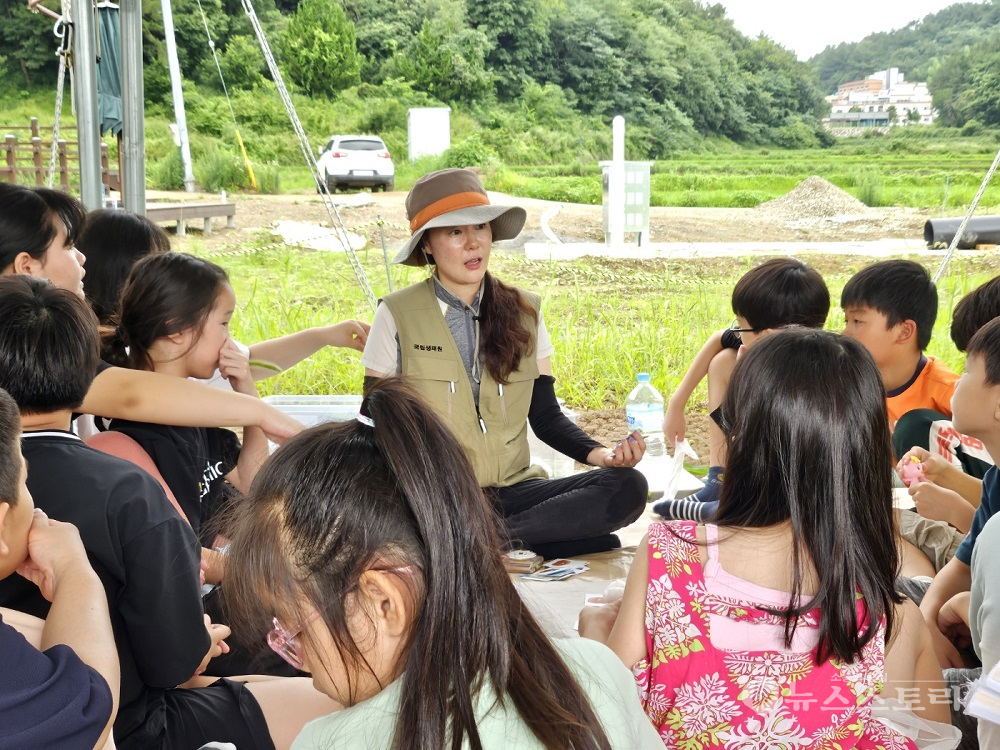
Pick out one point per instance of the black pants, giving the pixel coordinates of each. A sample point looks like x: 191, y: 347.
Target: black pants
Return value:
x: 574, y: 515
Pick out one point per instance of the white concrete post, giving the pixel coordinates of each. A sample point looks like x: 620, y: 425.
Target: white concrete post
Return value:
x: 616, y: 184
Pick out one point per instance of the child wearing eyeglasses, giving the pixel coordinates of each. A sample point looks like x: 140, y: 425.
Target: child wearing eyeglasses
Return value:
x: 777, y: 293
x: 373, y: 547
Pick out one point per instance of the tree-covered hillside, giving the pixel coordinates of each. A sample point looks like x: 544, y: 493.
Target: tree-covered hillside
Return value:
x: 918, y: 48
x: 535, y: 70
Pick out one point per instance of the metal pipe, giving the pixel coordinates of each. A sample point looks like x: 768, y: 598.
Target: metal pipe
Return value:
x: 85, y: 89
x: 981, y: 230
x: 133, y: 143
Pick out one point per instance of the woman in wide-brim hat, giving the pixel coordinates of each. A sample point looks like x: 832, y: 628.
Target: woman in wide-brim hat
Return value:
x: 478, y: 351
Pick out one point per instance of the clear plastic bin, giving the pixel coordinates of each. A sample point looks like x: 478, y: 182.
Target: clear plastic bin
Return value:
x: 314, y: 410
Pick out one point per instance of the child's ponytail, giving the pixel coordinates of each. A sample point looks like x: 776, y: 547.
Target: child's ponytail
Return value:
x: 394, y: 489
x: 473, y: 625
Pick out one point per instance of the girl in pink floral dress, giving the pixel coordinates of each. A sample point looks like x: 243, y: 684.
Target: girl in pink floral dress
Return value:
x: 768, y: 628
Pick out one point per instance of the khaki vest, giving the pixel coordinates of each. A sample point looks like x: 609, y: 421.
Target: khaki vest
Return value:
x: 496, y: 444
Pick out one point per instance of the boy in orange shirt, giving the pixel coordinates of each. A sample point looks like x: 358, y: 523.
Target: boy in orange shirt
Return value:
x: 890, y: 307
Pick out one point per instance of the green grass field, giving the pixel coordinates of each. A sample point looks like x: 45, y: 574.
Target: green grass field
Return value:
x: 608, y: 319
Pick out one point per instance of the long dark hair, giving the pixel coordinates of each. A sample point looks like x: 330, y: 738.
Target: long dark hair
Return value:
x: 809, y: 443
x: 342, y: 498
x: 164, y: 294
x: 504, y: 339
x: 113, y: 241
x: 28, y: 220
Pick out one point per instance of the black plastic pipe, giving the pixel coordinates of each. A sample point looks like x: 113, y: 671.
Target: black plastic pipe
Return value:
x: 981, y: 230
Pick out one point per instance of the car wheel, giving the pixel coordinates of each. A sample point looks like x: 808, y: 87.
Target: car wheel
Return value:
x: 389, y: 186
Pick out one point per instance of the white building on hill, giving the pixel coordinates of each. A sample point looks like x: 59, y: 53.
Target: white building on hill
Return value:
x: 867, y: 103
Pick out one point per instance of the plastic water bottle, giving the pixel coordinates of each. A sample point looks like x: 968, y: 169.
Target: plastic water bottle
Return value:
x: 644, y: 412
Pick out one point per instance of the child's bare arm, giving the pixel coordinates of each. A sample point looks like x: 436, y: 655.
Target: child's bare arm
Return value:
x: 165, y: 399
x: 674, y: 422
x: 913, y: 675
x: 628, y: 636
x: 288, y: 351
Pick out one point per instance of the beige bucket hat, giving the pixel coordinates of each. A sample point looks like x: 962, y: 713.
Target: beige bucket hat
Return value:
x: 453, y: 198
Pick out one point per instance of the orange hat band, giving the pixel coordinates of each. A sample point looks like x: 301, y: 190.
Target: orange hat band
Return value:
x: 448, y: 203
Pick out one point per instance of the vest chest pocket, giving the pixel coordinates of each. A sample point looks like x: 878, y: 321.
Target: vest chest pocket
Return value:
x: 437, y: 379
x: 508, y: 404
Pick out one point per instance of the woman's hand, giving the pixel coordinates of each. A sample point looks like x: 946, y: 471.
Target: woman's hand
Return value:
x: 628, y: 452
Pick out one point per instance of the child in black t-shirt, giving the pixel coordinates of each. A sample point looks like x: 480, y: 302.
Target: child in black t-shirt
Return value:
x: 174, y: 320
x: 144, y: 553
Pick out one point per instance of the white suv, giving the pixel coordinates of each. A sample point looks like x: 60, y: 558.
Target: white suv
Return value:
x: 355, y: 161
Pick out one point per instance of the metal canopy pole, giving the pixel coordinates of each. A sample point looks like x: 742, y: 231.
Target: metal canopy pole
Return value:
x: 178, y: 93
x: 85, y: 88
x: 133, y: 143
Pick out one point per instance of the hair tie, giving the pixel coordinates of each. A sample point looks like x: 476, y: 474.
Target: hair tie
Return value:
x: 363, y: 415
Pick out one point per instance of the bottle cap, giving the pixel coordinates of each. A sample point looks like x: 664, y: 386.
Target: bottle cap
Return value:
x: 643, y: 377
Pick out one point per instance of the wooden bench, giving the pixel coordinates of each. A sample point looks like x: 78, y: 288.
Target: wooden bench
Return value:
x: 184, y: 212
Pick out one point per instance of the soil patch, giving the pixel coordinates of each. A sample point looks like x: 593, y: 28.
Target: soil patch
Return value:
x: 608, y: 427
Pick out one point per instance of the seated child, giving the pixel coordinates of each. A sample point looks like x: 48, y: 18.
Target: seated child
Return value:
x: 38, y: 232
x: 114, y: 240
x: 777, y: 293
x: 890, y: 307
x: 975, y: 404
x: 62, y: 697
x: 983, y: 617
x: 145, y: 555
x: 174, y: 320
x: 950, y: 486
x: 776, y: 617
x: 372, y: 545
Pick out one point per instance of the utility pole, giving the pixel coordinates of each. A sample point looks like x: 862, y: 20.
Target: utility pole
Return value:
x: 178, y: 93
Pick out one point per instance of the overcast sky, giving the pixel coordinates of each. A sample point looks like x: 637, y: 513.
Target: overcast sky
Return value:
x: 808, y: 26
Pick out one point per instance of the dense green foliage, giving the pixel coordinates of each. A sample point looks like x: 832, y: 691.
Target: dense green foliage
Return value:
x: 537, y: 75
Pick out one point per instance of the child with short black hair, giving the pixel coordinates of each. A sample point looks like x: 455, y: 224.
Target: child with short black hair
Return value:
x: 973, y: 311
x: 890, y: 307
x: 145, y: 554
x: 62, y: 695
x: 777, y: 293
x: 976, y: 406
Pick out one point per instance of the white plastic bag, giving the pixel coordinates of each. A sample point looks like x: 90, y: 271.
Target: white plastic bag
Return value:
x: 928, y: 735
x: 677, y: 477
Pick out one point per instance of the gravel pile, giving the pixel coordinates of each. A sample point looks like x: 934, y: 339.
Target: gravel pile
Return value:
x: 814, y: 198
